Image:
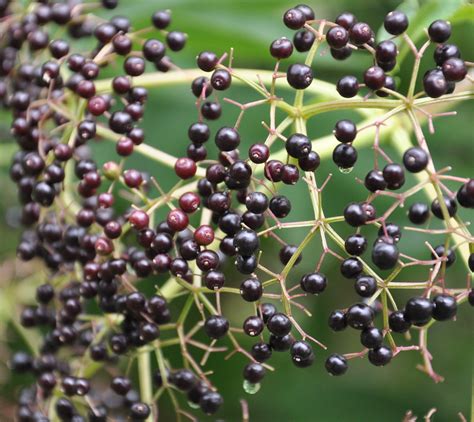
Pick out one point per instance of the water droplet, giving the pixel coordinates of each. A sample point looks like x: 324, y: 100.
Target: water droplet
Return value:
x: 193, y: 405
x: 250, y: 388
x: 345, y: 170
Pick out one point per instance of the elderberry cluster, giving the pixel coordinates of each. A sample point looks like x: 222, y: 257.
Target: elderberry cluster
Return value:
x: 92, y: 311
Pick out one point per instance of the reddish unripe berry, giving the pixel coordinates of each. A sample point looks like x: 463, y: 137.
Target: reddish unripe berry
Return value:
x: 185, y: 168
x: 132, y: 178
x: 177, y: 220
x: 204, y: 235
x: 189, y: 202
x: 139, y: 219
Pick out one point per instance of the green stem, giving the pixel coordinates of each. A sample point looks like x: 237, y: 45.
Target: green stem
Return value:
x: 144, y: 372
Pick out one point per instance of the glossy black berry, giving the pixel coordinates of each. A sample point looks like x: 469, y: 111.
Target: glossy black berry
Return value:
x: 371, y: 337
x: 398, y: 322
x: 450, y: 204
x: 313, y: 283
x: 337, y: 37
x: 394, y: 175
x: 419, y: 310
x: 280, y: 206
x: 279, y: 324
x: 281, y: 48
x: 211, y: 402
x: 385, y: 255
x: 299, y: 76
x: 439, y: 31
x: 216, y: 326
x: 302, y: 354
x: 348, y: 86
x: 336, y: 365
x: 254, y: 372
x: 344, y: 156
x: 374, y: 181
x: 298, y: 145
x: 253, y: 326
x: 418, y: 213
x: 294, y: 18
x: 337, y: 320
x: 374, y: 78
x: 359, y: 316
x: 355, y: 215
x: 415, y: 159
x: 435, y: 84
x: 351, y: 267
x: 345, y: 131
x: 227, y: 139
x: 251, y: 290
x: 360, y: 33
x: 396, y: 22
x: 365, y: 286
x: 380, y: 356
x: 303, y: 40
x: 355, y: 244
x: 444, y: 307
x: 454, y: 69
x: 444, y: 52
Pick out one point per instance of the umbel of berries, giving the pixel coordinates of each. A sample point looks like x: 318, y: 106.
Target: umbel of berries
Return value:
x: 158, y: 253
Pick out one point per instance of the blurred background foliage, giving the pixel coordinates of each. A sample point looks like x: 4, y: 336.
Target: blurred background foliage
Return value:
x: 365, y: 393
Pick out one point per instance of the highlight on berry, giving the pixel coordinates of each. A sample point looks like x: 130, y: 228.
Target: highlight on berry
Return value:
x: 133, y: 281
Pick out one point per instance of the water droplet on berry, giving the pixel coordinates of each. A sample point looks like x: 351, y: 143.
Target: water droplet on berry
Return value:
x: 250, y: 388
x: 345, y: 170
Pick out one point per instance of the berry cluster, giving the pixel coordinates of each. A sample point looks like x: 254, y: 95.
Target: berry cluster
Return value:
x: 92, y: 310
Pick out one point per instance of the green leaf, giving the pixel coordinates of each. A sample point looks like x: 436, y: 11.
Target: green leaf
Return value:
x: 464, y: 14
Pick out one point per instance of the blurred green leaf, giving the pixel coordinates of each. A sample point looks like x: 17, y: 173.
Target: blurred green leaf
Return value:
x: 464, y: 14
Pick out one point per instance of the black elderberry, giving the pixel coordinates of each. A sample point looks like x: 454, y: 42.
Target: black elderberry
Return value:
x: 371, y: 337
x: 253, y: 326
x: 302, y: 354
x: 299, y: 76
x: 211, y: 402
x: 345, y: 131
x: 294, y: 18
x: 336, y: 365
x: 380, y: 356
x: 314, y: 283
x: 418, y: 213
x: 355, y: 244
x: 221, y: 79
x: 355, y: 215
x: 344, y: 156
x: 450, y: 204
x: 439, y: 31
x: 281, y: 48
x: 351, y: 267
x: 253, y: 372
x: 303, y: 40
x: 261, y: 352
x: 398, y: 322
x: 359, y: 316
x: 280, y: 206
x: 395, y: 22
x: 298, y: 145
x: 365, y: 286
x: 435, y: 84
x: 337, y: 320
x: 418, y: 311
x: 337, y: 37
x: 385, y: 255
x: 279, y: 324
x: 415, y: 159
x: 348, y: 86
x: 444, y: 307
x: 251, y: 289
x: 216, y: 326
